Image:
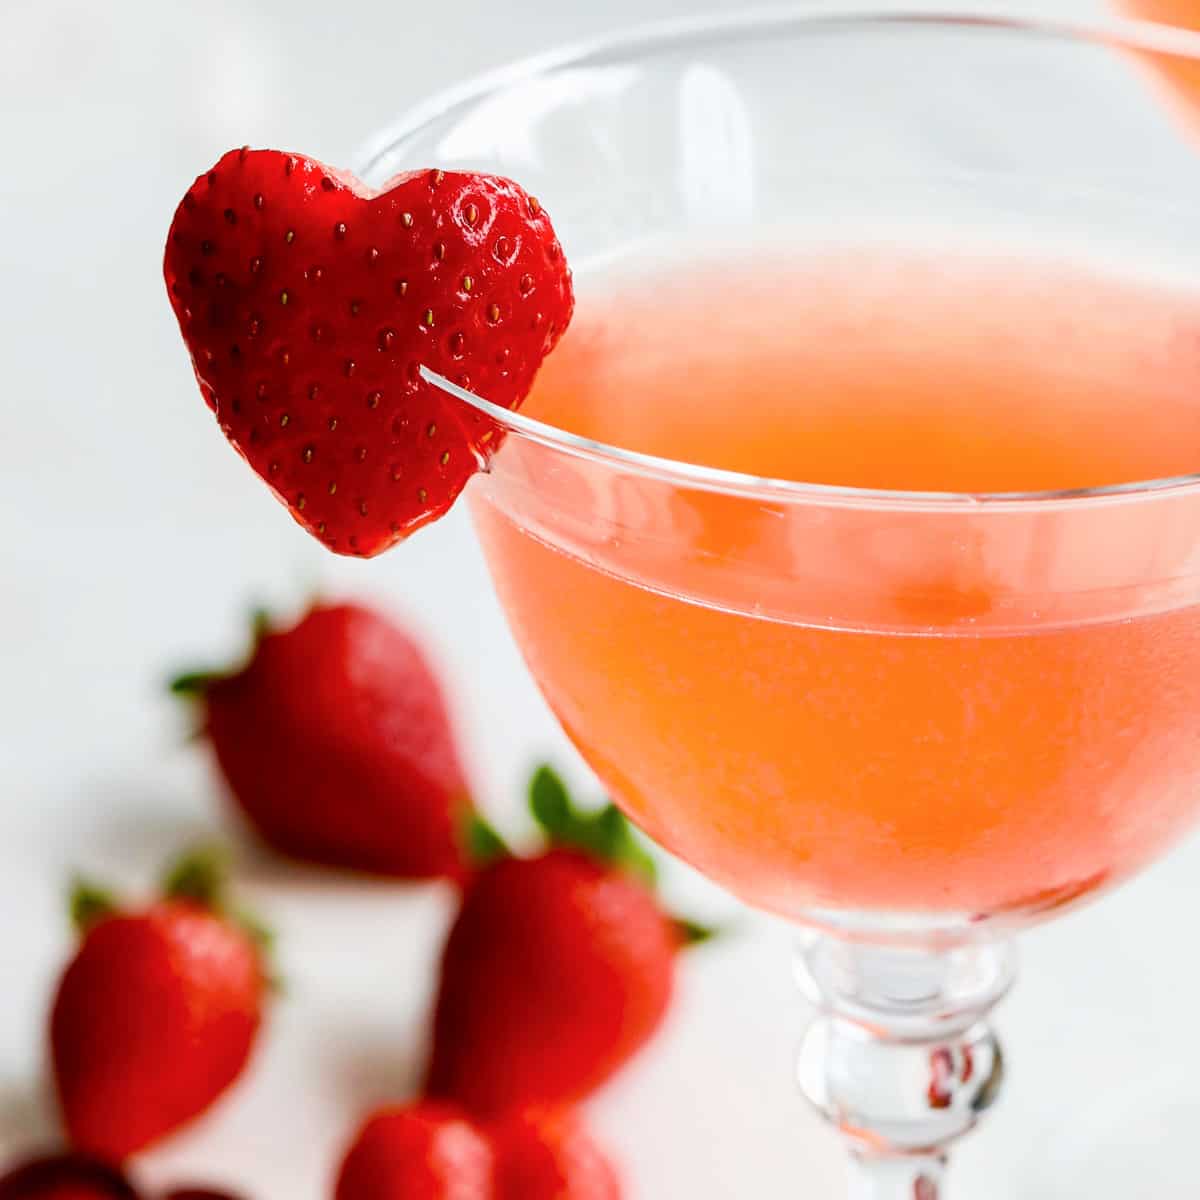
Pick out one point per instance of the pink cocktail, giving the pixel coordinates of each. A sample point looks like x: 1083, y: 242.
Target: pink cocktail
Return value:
x: 931, y: 730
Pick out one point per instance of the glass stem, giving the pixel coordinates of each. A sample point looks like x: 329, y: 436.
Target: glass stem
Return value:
x: 916, y: 1177
x: 900, y: 1057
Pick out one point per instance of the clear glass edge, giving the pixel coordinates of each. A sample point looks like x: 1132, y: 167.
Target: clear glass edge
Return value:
x: 765, y: 488
x: 1126, y: 33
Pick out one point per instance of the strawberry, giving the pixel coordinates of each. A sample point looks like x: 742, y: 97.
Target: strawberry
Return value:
x: 309, y: 302
x: 66, y: 1177
x: 335, y: 741
x: 157, y: 1013
x: 434, y: 1152
x: 550, y: 1157
x: 557, y: 969
x: 419, y: 1152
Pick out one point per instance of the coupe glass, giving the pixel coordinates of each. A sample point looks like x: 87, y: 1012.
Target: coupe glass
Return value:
x: 911, y: 723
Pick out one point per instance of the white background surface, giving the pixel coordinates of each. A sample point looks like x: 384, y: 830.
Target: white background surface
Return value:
x: 134, y: 541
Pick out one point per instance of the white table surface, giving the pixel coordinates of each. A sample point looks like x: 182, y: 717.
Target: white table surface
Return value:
x: 134, y: 540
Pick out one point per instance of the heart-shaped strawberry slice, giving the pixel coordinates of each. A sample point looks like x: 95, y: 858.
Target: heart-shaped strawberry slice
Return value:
x: 309, y: 304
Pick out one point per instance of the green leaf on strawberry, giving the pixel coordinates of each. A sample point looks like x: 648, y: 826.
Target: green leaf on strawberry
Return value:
x: 194, y: 684
x: 201, y: 876
x: 692, y: 933
x: 191, y: 683
x: 481, y: 842
x: 604, y: 834
x: 90, y: 903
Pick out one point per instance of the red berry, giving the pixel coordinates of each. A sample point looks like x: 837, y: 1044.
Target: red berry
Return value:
x: 308, y: 303
x: 557, y: 970
x: 199, y: 1194
x: 550, y: 1157
x: 420, y: 1152
x: 336, y: 744
x: 155, y: 1017
x: 66, y: 1177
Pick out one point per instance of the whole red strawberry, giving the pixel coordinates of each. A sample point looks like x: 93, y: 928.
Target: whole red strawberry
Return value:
x: 418, y: 1152
x: 66, y: 1177
x: 431, y: 1151
x: 157, y: 1013
x: 335, y: 741
x: 550, y: 1157
x: 557, y: 969
x: 309, y: 304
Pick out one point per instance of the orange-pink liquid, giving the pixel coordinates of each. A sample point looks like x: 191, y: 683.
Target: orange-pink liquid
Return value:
x: 924, y: 760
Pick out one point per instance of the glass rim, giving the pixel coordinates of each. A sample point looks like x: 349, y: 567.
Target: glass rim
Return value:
x: 650, y: 38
